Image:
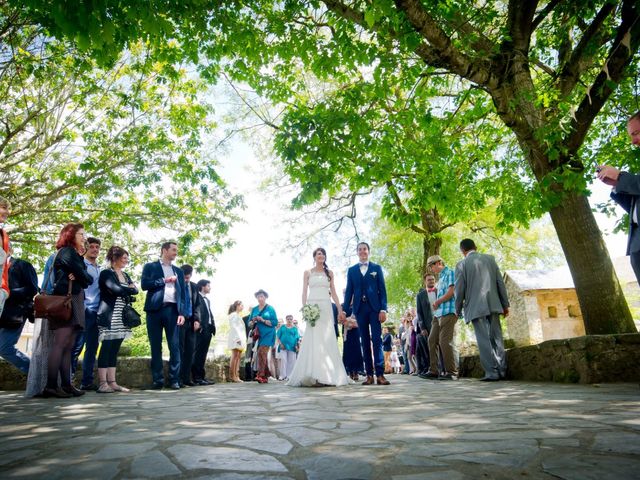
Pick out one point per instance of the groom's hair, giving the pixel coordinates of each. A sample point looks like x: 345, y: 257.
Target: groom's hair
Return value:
x: 363, y: 243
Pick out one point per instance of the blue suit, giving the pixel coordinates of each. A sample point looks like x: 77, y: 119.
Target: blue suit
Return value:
x: 366, y: 296
x: 161, y: 316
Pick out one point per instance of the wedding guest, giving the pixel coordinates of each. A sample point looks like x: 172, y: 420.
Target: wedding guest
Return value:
x: 424, y: 320
x: 288, y: 339
x: 89, y: 337
x: 442, y: 333
x: 386, y: 349
x: 394, y: 360
x: 481, y: 292
x: 237, y: 340
x: 188, y: 331
x: 264, y: 317
x: 203, y: 337
x: 42, y: 341
x: 68, y: 266
x: 5, y: 207
x: 23, y: 285
x: 116, y: 291
x: 352, y: 349
x: 165, y: 307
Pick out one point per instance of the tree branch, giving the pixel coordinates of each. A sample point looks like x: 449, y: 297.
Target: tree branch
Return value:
x: 621, y: 52
x: 579, y: 61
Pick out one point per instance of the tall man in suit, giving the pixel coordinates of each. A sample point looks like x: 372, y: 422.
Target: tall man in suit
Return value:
x: 203, y: 337
x: 626, y: 191
x: 366, y: 296
x: 188, y: 331
x: 166, y: 308
x: 480, y: 290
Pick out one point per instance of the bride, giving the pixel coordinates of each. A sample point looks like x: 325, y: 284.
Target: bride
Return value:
x: 319, y: 362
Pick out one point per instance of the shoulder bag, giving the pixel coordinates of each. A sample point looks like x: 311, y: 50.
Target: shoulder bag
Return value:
x: 56, y: 308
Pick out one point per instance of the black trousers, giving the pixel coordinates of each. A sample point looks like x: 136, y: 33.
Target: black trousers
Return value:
x: 203, y: 340
x: 422, y: 353
x: 187, y: 351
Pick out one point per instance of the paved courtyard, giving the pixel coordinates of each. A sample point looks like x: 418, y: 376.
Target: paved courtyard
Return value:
x: 413, y: 429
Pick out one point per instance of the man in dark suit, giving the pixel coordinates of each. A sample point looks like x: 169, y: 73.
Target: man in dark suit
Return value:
x: 425, y: 317
x: 203, y: 337
x: 626, y: 191
x: 366, y: 296
x: 188, y: 331
x: 165, y: 306
x: 23, y: 285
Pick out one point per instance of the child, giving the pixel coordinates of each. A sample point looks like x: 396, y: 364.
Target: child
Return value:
x: 394, y: 360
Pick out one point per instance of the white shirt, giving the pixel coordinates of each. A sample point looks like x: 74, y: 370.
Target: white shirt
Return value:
x: 206, y: 302
x: 364, y: 268
x: 169, y: 288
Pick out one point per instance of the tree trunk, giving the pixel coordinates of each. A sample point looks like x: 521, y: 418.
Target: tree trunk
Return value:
x: 604, y: 308
x: 430, y: 246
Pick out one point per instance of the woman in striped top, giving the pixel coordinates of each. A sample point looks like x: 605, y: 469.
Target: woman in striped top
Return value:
x: 116, y: 289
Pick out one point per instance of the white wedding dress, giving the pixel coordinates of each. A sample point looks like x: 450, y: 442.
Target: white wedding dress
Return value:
x: 319, y: 361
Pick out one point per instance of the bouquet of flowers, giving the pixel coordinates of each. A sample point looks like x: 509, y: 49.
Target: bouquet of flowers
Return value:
x: 311, y: 313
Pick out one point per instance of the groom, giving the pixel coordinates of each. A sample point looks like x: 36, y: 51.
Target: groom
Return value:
x: 367, y: 295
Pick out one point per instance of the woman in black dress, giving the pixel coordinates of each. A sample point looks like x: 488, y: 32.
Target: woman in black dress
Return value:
x: 68, y: 265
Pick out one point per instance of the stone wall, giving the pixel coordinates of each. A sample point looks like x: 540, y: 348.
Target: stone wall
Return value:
x: 587, y: 359
x: 131, y: 371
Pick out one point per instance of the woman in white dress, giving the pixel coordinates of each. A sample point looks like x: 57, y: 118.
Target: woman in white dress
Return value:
x: 237, y: 340
x: 319, y: 362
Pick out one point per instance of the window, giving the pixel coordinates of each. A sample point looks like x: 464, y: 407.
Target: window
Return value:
x: 552, y: 311
x: 574, y: 311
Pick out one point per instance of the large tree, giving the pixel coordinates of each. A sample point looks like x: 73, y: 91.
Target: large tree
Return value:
x: 549, y: 69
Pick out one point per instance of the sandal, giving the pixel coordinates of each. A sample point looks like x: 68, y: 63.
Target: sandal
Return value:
x: 117, y: 388
x: 104, y: 388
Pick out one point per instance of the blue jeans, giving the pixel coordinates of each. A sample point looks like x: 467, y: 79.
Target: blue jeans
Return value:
x: 166, y: 318
x: 8, y: 339
x: 367, y: 318
x: 87, y: 338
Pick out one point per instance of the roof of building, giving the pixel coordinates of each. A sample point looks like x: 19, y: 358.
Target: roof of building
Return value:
x: 559, y: 278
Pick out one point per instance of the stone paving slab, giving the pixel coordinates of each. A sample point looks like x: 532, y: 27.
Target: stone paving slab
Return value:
x: 413, y: 429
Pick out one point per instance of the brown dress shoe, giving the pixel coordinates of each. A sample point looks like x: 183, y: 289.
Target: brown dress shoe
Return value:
x: 368, y: 381
x: 382, y: 381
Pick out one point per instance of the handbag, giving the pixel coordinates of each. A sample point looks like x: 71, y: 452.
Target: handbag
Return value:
x: 130, y: 317
x: 56, y: 308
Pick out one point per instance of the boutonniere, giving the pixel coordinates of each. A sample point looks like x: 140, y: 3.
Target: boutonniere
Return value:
x: 374, y: 274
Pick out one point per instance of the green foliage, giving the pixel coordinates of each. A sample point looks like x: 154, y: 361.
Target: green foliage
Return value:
x: 400, y: 251
x: 120, y: 149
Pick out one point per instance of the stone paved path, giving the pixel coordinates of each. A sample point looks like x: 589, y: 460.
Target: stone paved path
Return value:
x: 413, y: 429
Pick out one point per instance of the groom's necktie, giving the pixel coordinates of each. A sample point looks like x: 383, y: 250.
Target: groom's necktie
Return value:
x: 363, y: 267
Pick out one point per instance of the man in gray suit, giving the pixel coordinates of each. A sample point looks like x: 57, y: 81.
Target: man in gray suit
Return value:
x: 480, y: 289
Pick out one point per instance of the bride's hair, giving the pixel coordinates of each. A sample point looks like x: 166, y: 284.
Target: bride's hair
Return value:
x: 324, y: 265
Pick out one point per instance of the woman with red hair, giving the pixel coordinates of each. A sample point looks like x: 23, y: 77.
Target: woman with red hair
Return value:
x: 68, y: 266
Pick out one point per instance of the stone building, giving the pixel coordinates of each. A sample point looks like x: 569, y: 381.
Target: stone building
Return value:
x: 544, y: 303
